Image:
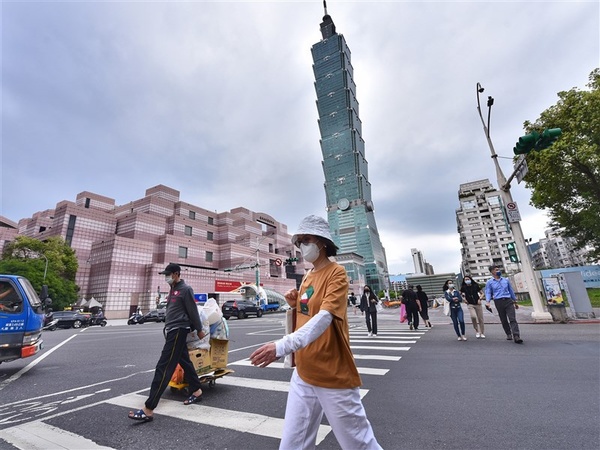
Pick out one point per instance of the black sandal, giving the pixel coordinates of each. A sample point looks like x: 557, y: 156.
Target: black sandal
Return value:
x: 140, y: 416
x: 193, y: 399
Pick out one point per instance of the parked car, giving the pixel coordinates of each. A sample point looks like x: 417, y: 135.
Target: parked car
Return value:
x: 72, y: 319
x: 240, y: 309
x: 155, y: 315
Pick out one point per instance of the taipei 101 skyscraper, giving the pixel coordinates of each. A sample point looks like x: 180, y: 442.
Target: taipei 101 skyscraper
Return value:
x: 347, y: 187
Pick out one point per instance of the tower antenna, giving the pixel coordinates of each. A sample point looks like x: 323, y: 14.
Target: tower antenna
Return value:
x: 325, y: 6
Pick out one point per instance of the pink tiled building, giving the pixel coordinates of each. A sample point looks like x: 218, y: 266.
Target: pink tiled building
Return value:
x: 121, y: 249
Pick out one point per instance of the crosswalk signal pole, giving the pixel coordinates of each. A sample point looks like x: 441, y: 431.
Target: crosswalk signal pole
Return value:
x: 539, y: 313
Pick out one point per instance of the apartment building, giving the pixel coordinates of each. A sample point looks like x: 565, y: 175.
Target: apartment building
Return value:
x: 121, y: 249
x: 556, y: 251
x: 483, y: 230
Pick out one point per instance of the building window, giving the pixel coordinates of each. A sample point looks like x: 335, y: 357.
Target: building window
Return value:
x: 87, y: 202
x: 209, y: 256
x: 183, y: 252
x: 211, y: 221
x: 70, y: 229
x: 209, y: 235
x: 193, y: 215
x: 188, y: 230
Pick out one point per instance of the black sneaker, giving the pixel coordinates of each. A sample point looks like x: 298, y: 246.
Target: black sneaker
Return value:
x: 518, y: 340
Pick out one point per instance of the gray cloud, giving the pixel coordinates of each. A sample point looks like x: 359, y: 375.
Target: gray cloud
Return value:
x: 217, y: 100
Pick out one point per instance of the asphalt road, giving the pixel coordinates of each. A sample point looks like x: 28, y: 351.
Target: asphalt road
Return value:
x: 421, y: 389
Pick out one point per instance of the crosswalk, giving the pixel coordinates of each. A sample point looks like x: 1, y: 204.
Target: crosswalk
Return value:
x: 385, y: 349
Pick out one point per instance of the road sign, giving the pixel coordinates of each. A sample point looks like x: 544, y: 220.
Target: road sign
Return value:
x: 512, y: 212
x: 521, y: 168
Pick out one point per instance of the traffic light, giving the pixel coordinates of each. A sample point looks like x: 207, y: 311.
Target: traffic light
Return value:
x: 535, y: 141
x: 512, y: 252
x: 548, y: 138
x: 526, y: 143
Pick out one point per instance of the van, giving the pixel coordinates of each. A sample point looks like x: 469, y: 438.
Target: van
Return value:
x: 21, y: 319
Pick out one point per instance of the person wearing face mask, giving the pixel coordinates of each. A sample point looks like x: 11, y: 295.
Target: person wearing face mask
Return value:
x: 471, y: 292
x: 368, y: 304
x: 456, y: 313
x: 325, y: 380
x: 499, y: 289
x: 181, y: 317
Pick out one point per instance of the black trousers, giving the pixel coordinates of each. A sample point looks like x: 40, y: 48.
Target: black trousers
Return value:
x: 508, y: 316
x: 371, y: 319
x: 424, y: 311
x: 174, y: 352
x: 412, y: 314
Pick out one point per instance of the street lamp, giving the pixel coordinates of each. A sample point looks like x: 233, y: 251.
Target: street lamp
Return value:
x: 538, y: 314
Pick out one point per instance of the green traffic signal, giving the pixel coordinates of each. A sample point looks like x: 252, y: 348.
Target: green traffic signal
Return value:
x: 512, y: 252
x: 548, y: 138
x: 526, y: 143
x: 535, y: 141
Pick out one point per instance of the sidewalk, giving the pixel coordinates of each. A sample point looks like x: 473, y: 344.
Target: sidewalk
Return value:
x: 523, y: 316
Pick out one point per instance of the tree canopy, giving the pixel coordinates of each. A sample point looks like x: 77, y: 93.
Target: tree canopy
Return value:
x: 27, y: 257
x: 565, y: 178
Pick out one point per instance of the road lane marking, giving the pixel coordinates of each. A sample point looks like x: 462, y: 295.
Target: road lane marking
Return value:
x: 41, y: 436
x: 267, y: 385
x: 279, y: 365
x: 18, y: 402
x: 228, y: 419
x: 379, y: 347
x: 32, y: 364
x: 378, y: 357
x: 362, y: 341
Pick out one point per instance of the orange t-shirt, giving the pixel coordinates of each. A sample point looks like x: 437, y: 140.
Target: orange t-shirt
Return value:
x: 327, y: 361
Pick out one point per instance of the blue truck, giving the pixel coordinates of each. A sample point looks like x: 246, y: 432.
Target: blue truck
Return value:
x: 21, y: 319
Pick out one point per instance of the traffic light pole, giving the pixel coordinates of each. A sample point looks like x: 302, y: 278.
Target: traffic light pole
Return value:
x: 539, y: 314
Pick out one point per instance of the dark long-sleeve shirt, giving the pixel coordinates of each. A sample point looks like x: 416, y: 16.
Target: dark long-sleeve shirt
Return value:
x: 182, y: 311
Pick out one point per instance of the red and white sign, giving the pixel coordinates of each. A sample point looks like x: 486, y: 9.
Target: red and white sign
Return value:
x: 227, y: 286
x: 278, y: 262
x: 512, y: 212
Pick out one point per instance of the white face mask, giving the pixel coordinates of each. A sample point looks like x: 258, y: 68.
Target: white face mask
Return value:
x: 310, y: 252
x: 468, y: 281
x: 450, y: 286
x: 169, y: 279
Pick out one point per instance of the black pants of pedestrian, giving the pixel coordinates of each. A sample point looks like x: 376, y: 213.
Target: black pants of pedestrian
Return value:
x: 508, y: 316
x: 371, y: 319
x: 412, y: 315
x: 174, y: 352
x: 424, y: 312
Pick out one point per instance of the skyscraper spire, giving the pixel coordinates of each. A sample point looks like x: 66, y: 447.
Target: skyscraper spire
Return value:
x: 327, y: 26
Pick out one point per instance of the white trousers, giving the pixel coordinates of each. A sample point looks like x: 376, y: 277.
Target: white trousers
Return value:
x: 343, y: 409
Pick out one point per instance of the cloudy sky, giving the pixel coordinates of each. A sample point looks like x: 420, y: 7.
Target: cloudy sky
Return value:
x: 216, y: 100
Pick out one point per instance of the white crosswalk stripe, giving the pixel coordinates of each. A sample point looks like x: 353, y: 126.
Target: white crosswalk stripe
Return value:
x: 222, y: 418
x: 383, y: 348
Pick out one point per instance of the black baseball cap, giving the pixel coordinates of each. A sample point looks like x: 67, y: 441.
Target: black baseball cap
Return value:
x: 171, y: 268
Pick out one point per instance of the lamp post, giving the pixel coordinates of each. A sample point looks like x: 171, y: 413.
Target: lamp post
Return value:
x: 46, y: 268
x: 538, y: 314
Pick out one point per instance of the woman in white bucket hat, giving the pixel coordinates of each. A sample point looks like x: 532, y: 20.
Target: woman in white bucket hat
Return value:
x: 325, y: 379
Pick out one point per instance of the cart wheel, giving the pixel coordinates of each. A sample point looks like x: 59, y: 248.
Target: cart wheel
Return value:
x: 211, y: 383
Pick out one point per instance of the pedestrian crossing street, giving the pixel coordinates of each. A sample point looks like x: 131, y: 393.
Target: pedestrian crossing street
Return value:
x: 387, y: 348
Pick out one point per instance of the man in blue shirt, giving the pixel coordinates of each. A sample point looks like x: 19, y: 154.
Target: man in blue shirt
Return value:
x: 500, y: 290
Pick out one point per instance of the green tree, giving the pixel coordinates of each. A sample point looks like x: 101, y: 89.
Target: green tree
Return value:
x: 565, y: 178
x: 23, y: 256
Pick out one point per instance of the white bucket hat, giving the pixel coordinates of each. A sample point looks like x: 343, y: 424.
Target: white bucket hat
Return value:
x: 316, y: 226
